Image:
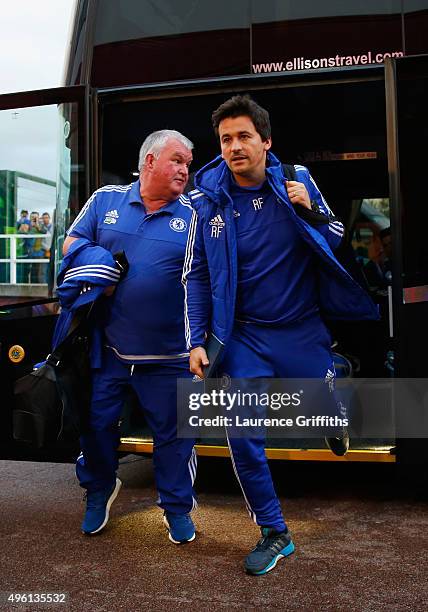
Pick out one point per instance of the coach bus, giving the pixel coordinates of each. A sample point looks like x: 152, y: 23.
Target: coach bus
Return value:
x: 346, y: 84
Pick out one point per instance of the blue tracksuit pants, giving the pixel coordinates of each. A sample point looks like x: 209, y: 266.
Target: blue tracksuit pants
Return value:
x: 174, y: 459
x: 297, y: 350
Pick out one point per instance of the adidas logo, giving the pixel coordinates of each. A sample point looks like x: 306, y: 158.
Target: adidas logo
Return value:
x: 217, y: 220
x: 111, y: 217
x: 217, y: 224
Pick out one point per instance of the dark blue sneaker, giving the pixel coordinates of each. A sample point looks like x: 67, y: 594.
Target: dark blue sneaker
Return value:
x: 339, y: 445
x: 180, y: 526
x: 98, y: 505
x: 272, y: 547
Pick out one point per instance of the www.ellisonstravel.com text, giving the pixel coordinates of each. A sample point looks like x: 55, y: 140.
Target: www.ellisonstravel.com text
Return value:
x: 302, y: 63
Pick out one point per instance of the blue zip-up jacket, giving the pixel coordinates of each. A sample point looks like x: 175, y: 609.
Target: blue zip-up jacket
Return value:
x: 210, y: 272
x: 86, y: 271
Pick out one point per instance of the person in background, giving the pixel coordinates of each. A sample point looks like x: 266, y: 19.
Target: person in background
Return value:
x: 46, y: 228
x: 35, y: 250
x: 23, y: 226
x: 379, y: 273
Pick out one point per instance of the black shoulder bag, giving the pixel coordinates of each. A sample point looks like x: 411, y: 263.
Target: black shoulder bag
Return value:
x: 52, y: 402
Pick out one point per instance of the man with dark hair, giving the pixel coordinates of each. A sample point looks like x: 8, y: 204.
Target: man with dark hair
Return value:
x: 239, y: 106
x: 23, y: 226
x: 258, y: 272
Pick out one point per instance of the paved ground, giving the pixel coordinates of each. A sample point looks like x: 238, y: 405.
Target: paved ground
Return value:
x: 362, y: 544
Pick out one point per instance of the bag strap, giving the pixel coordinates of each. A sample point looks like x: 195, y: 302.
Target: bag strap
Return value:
x: 313, y: 217
x: 80, y: 316
x: 289, y: 172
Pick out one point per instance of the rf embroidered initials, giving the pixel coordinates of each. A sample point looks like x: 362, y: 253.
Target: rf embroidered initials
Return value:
x: 217, y: 224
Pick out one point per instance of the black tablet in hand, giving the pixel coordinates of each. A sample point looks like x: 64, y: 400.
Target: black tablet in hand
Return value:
x: 214, y: 349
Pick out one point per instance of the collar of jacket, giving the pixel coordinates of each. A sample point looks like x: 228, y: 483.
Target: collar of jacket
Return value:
x: 214, y: 179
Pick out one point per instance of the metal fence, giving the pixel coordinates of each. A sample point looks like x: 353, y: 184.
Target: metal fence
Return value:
x: 14, y: 260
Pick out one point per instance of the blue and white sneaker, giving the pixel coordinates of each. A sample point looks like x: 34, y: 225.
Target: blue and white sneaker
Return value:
x: 98, y: 505
x: 272, y: 547
x: 180, y: 526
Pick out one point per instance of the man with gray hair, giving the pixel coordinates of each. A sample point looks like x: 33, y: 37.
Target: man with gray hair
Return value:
x: 143, y: 329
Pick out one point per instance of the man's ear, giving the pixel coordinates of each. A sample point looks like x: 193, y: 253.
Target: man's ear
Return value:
x: 150, y: 158
x: 267, y: 144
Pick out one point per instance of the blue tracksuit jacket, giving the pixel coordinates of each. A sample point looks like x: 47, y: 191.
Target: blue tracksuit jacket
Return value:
x: 86, y: 271
x: 211, y: 268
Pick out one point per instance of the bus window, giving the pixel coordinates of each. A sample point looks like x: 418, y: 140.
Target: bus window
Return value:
x: 40, y: 193
x: 366, y: 256
x: 28, y: 167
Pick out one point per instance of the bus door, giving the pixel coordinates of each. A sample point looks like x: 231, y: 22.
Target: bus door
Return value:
x: 407, y: 127
x: 333, y: 123
x: 44, y: 158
